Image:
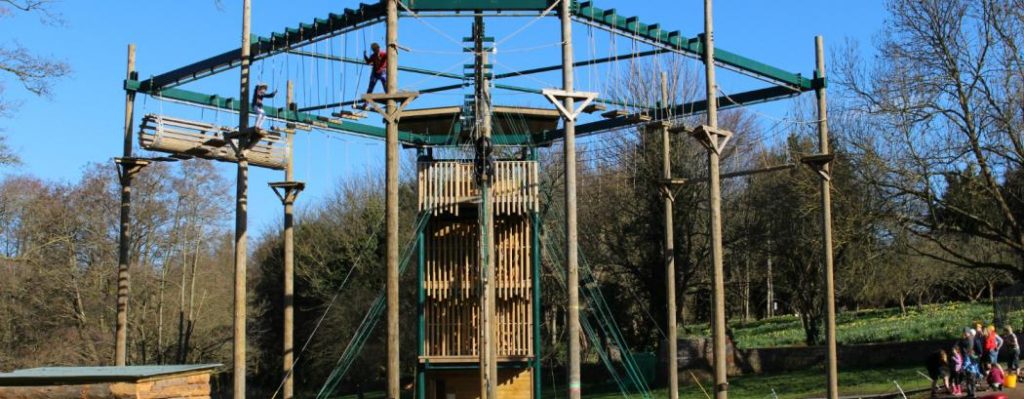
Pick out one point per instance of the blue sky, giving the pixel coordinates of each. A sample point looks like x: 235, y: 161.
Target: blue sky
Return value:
x: 83, y: 122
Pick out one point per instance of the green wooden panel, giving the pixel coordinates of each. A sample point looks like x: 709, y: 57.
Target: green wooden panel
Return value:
x: 64, y: 375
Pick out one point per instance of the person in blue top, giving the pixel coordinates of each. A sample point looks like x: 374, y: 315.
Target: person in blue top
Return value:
x: 972, y: 372
x: 257, y: 103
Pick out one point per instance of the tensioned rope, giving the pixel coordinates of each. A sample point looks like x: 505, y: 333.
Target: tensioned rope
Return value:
x: 429, y: 25
x: 529, y: 23
x: 330, y: 304
x: 369, y: 322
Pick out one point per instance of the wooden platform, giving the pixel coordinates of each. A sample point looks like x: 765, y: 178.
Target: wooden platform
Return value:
x: 131, y: 382
x: 508, y: 120
x: 443, y: 187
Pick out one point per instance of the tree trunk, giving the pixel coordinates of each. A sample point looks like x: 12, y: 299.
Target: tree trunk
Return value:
x: 746, y: 292
x: 160, y: 317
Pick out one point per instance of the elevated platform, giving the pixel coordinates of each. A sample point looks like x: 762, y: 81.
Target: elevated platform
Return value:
x: 443, y: 187
x: 447, y: 121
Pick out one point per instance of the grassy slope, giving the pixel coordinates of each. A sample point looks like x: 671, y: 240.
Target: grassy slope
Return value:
x: 944, y: 321
x: 867, y: 326
x: 803, y: 384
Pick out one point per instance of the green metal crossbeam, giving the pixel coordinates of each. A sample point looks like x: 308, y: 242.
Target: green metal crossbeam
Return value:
x: 692, y: 108
x: 586, y: 12
x: 263, y: 47
x: 473, y: 5
x: 540, y: 92
x: 595, y: 61
x: 359, y: 61
x: 232, y: 104
x: 342, y: 126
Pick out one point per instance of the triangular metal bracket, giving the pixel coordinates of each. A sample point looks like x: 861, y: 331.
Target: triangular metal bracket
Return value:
x: 820, y: 164
x: 712, y: 138
x: 128, y: 167
x: 287, y: 191
x: 557, y: 97
x: 403, y: 98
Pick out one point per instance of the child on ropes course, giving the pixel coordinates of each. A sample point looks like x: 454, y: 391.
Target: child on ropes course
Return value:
x: 257, y: 103
x: 379, y: 62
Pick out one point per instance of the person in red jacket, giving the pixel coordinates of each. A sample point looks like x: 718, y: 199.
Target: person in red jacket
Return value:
x: 378, y: 62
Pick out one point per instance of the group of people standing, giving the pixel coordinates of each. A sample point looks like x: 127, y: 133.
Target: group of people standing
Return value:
x: 975, y: 358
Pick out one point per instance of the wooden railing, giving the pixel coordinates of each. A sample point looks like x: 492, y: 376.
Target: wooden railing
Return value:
x: 445, y: 186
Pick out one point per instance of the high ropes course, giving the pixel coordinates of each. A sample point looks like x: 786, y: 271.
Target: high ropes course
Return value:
x: 478, y: 246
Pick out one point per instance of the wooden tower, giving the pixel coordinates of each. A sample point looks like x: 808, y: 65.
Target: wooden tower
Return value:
x: 449, y: 304
x: 478, y: 327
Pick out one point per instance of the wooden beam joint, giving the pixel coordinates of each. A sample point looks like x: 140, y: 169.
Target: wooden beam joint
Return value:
x: 403, y: 98
x: 287, y: 191
x: 241, y: 141
x: 712, y: 138
x: 820, y: 164
x: 128, y: 167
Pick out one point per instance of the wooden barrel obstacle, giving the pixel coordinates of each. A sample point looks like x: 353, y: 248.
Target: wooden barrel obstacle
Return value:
x: 185, y: 138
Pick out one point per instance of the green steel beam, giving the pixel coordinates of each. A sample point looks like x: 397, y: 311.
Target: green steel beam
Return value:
x: 595, y: 61
x: 232, y: 104
x: 342, y: 126
x: 359, y: 61
x: 263, y: 47
x: 692, y: 108
x: 540, y: 92
x: 586, y: 12
x: 473, y: 5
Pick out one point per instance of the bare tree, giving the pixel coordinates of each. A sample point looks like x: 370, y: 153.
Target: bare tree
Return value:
x: 35, y: 73
x: 946, y: 99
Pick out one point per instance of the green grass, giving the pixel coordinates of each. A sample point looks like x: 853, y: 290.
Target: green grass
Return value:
x: 929, y: 322
x: 802, y: 384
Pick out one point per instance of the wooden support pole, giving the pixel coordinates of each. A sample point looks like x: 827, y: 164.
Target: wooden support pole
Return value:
x: 391, y: 203
x: 715, y: 194
x: 124, y: 246
x: 241, y: 215
x: 826, y: 225
x: 488, y: 346
x: 289, y: 261
x: 669, y: 255
x: 573, y: 328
